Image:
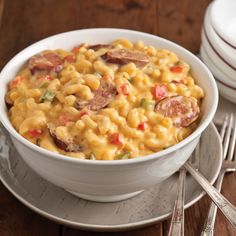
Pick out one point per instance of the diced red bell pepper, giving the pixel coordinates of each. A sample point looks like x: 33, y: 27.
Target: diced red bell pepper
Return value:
x: 77, y: 48
x: 124, y: 89
x: 106, y: 77
x: 69, y: 58
x: 35, y: 133
x: 176, y: 69
x: 142, y: 126
x: 115, y: 139
x: 64, y: 119
x: 16, y: 81
x: 45, y: 77
x: 83, y: 113
x: 159, y: 92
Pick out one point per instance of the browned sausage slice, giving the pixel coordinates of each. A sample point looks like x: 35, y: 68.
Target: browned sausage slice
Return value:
x: 9, y: 103
x: 45, y: 61
x: 96, y: 47
x: 182, y: 110
x: 124, y: 56
x: 102, y: 97
x: 65, y: 145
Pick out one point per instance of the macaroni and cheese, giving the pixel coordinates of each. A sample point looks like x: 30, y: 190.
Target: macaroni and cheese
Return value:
x: 113, y: 101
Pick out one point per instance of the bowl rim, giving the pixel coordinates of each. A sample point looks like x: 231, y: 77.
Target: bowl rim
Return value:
x: 217, y: 27
x: 60, y: 157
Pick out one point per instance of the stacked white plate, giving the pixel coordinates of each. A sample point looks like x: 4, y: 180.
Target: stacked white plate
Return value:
x: 218, y: 48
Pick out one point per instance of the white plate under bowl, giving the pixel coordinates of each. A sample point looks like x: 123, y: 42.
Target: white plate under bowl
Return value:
x: 223, y: 18
x: 149, y: 207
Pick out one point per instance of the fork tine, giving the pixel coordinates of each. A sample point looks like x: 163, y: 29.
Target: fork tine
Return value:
x: 232, y: 143
x: 227, y: 136
x: 223, y: 127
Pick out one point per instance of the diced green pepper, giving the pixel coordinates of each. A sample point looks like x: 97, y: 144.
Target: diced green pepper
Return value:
x: 122, y: 156
x: 147, y: 104
x: 44, y: 85
x: 178, y: 63
x: 143, y: 102
x: 47, y: 96
x: 130, y: 80
x: 91, y: 156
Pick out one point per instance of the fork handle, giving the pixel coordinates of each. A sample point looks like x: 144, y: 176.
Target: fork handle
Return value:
x: 208, y: 228
x: 177, y: 220
x: 223, y: 204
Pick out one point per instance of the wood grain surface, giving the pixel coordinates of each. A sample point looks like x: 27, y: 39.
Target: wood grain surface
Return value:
x: 23, y: 22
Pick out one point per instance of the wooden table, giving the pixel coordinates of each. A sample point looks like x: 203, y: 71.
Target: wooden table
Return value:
x: 23, y: 22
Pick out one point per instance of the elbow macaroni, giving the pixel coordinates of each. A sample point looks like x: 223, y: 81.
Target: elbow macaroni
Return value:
x: 126, y: 125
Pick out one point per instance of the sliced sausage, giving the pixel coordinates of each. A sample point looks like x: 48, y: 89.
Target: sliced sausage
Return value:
x: 96, y: 47
x: 9, y: 103
x: 65, y: 145
x: 102, y: 97
x: 45, y: 61
x: 124, y: 56
x: 182, y: 110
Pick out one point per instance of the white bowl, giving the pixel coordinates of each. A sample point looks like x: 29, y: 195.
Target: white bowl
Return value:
x: 225, y: 50
x: 218, y: 59
x: 226, y: 91
x: 223, y: 18
x: 118, y: 179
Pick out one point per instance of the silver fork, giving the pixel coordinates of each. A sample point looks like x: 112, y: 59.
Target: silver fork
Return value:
x: 228, y: 165
x: 177, y: 220
x: 222, y: 203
